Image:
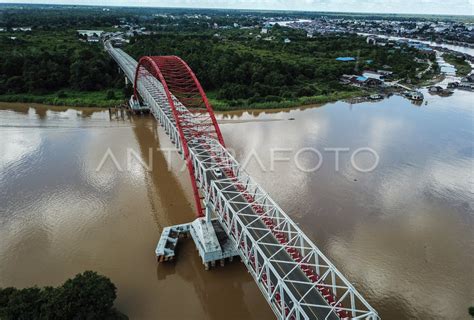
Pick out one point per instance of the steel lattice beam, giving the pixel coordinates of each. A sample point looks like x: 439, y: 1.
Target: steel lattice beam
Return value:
x: 295, y: 277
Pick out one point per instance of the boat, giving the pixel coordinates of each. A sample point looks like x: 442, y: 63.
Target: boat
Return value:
x: 453, y: 85
x: 415, y: 95
x: 440, y: 91
x: 375, y: 96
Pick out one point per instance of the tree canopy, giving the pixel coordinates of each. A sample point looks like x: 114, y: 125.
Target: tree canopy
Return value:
x: 87, y: 296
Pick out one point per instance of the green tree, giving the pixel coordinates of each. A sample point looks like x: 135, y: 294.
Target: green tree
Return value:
x: 87, y: 296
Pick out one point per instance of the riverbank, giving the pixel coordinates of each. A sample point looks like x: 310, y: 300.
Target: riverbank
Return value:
x: 463, y: 68
x: 70, y: 98
x: 430, y: 82
x: 219, y: 105
x: 99, y: 99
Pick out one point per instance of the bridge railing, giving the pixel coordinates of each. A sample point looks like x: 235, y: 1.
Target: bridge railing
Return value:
x: 226, y: 194
x: 125, y: 62
x: 231, y: 196
x: 157, y: 104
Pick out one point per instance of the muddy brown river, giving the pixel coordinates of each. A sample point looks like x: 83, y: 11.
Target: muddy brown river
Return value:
x: 401, y: 233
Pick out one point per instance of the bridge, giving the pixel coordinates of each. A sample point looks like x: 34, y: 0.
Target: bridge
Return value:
x: 295, y: 277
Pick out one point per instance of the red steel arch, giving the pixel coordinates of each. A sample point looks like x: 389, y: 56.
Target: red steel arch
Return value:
x: 187, y: 100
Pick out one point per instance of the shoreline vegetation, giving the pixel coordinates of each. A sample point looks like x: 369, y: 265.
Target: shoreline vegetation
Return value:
x: 69, y: 98
x: 286, y: 104
x: 99, y: 100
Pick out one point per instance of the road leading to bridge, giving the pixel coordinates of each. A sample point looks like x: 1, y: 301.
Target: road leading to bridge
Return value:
x: 295, y: 277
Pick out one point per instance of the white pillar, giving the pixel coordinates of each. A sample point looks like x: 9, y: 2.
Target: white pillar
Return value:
x: 208, y: 213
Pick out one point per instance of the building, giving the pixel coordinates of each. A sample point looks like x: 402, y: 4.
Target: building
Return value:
x: 22, y: 29
x: 466, y: 85
x: 286, y: 40
x: 90, y: 33
x: 469, y: 78
x: 371, y: 40
x: 372, y: 83
x: 119, y: 41
x: 93, y: 39
x: 439, y: 90
x: 361, y: 81
x: 345, y: 59
x: 346, y: 79
x: 372, y: 74
x: 415, y: 95
x: 435, y: 89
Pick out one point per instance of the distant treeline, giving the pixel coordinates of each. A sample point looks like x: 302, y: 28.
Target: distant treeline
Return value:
x: 75, y: 16
x: 49, y: 17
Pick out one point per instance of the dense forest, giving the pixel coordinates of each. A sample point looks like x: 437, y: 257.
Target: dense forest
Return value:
x: 86, y: 296
x: 42, y: 62
x: 238, y: 67
x: 80, y: 15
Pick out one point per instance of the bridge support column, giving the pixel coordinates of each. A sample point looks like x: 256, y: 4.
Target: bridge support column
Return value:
x: 208, y: 213
x: 126, y: 81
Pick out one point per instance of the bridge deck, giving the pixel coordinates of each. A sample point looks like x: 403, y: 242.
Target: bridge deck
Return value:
x: 271, y: 249
x: 297, y: 280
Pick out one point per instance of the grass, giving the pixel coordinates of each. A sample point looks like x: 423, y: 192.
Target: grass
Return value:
x: 220, y: 105
x: 463, y: 68
x: 99, y: 99
x: 69, y: 98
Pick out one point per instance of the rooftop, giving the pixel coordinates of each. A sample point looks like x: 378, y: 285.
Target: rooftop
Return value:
x: 345, y: 59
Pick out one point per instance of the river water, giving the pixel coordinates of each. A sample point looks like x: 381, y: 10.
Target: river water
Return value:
x: 457, y: 48
x: 402, y: 233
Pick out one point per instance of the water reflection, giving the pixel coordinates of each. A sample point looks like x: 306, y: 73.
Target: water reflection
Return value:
x: 59, y: 216
x: 402, y: 233
x: 384, y: 229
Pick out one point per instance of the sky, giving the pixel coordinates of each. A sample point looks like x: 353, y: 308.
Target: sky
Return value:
x: 450, y: 7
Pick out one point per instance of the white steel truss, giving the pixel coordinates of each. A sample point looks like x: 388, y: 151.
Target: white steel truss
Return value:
x: 295, y: 277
